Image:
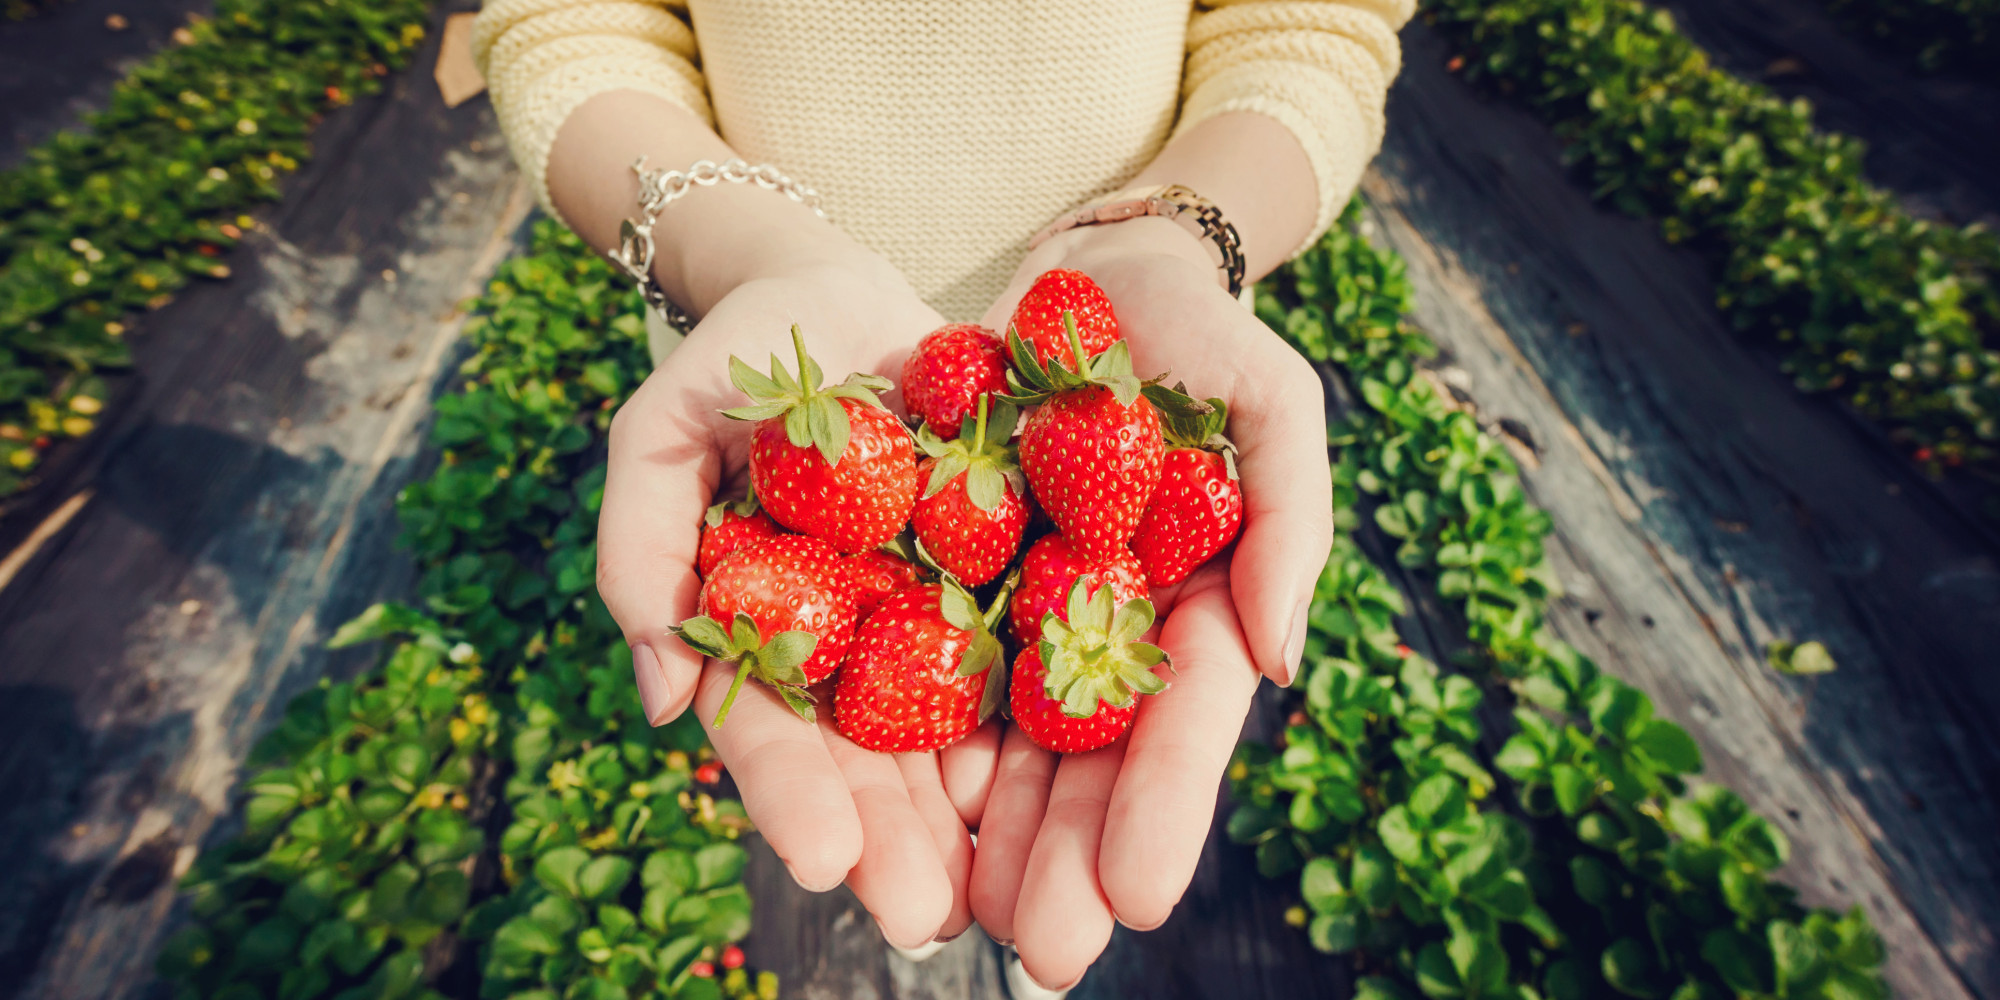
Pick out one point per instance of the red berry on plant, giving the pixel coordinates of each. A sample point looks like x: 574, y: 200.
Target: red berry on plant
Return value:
x: 1051, y: 567
x: 974, y: 506
x: 728, y: 528
x: 732, y: 957
x: 709, y: 773
x: 924, y: 671
x: 783, y: 609
x: 1078, y: 688
x: 1039, y: 317
x: 702, y: 969
x: 831, y: 463
x: 1198, y: 507
x: 950, y: 369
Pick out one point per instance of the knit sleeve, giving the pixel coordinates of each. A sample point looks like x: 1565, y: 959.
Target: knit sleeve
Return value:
x: 544, y: 58
x: 1322, y: 68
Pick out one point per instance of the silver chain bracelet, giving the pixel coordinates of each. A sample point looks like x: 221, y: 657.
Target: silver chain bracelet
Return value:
x: 660, y: 188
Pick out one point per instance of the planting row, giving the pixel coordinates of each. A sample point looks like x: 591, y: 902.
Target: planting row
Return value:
x: 1940, y: 35
x: 1898, y: 316
x: 101, y: 223
x: 487, y: 813
x: 1607, y: 873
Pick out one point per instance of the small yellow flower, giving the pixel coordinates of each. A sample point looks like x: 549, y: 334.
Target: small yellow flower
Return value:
x: 77, y: 426
x: 1296, y: 916
x: 460, y: 729
x: 86, y: 405
x: 246, y: 126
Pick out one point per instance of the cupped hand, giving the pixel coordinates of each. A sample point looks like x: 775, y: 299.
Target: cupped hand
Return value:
x: 889, y: 826
x: 1069, y: 845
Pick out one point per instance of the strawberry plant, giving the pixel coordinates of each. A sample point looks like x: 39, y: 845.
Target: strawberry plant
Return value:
x: 488, y: 812
x: 1611, y: 874
x: 105, y: 221
x: 1898, y: 316
x: 1938, y: 35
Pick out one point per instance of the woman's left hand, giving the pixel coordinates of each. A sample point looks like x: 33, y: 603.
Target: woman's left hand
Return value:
x: 1069, y: 844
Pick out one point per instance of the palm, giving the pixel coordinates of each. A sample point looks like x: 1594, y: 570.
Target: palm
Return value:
x: 831, y: 811
x: 1069, y: 845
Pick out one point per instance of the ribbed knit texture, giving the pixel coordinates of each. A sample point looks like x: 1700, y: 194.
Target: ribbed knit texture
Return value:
x: 942, y: 133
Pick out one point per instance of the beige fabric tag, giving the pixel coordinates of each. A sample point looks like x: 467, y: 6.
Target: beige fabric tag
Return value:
x: 458, y: 78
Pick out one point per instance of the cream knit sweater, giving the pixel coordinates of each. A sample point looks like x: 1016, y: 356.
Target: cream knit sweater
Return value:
x: 942, y: 133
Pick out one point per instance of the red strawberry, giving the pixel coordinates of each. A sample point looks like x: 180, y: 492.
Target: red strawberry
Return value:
x: 1078, y: 688
x: 875, y: 574
x: 1092, y: 450
x: 1052, y: 567
x: 951, y: 367
x: 1198, y: 507
x: 782, y: 610
x: 1039, y: 317
x: 913, y: 678
x: 729, y: 527
x: 974, y: 506
x: 829, y: 463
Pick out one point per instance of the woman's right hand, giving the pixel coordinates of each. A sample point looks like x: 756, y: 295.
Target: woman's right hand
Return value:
x: 890, y: 826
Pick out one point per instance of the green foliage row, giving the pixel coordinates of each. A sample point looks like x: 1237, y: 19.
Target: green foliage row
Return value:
x: 104, y: 221
x: 1609, y: 875
x: 1940, y: 35
x: 494, y: 782
x: 1898, y: 316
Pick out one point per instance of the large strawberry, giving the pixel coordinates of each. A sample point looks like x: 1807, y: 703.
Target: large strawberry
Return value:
x: 1198, y: 506
x: 952, y: 367
x: 924, y: 671
x: 728, y: 527
x: 877, y: 573
x: 1052, y: 567
x: 783, y: 611
x: 831, y: 463
x: 1078, y: 688
x: 1039, y: 316
x: 1092, y: 449
x: 974, y: 505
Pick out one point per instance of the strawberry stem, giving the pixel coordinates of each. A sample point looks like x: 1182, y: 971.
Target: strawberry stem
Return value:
x: 1075, y: 340
x: 805, y: 363
x: 742, y: 670
x: 979, y: 428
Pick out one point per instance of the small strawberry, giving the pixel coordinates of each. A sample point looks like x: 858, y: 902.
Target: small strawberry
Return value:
x: 951, y: 367
x: 729, y: 527
x: 1052, y: 567
x: 1092, y: 449
x: 829, y: 463
x: 790, y: 617
x: 924, y: 671
x: 974, y: 505
x: 875, y: 574
x: 1078, y: 688
x: 1198, y: 506
x: 1039, y: 317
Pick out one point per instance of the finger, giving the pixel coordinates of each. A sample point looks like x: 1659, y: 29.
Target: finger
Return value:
x: 791, y: 786
x: 659, y: 477
x: 901, y: 877
x: 1007, y: 831
x: 968, y: 767
x: 1164, y: 801
x: 926, y: 786
x: 1280, y: 431
x: 1063, y: 919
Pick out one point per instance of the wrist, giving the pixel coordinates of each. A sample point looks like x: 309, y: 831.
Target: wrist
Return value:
x: 726, y: 236
x: 1149, y: 240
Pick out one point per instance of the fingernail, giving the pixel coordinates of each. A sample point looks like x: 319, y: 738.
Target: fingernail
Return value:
x: 1038, y: 991
x: 918, y: 954
x: 1130, y: 926
x: 947, y: 939
x: 1295, y: 645
x: 803, y: 884
x: 654, y: 693
x: 1002, y: 942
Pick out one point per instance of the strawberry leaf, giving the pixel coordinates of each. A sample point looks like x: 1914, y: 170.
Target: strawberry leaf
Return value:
x: 829, y: 427
x: 996, y: 686
x: 958, y: 608
x: 947, y: 469
x: 786, y: 653
x: 985, y: 486
x: 800, y: 700
x: 753, y: 383
x: 743, y: 633
x: 706, y: 636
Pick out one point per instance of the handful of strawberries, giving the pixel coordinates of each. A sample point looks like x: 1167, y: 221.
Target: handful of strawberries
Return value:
x: 856, y: 556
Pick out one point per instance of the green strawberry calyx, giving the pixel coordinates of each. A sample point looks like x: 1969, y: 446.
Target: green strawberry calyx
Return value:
x: 779, y: 662
x: 1093, y: 653
x: 746, y: 507
x: 1203, y: 430
x: 813, y: 416
x: 981, y: 453
x: 1030, y: 381
x: 962, y: 610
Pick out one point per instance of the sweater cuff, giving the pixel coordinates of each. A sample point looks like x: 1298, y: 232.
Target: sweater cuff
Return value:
x: 1330, y: 120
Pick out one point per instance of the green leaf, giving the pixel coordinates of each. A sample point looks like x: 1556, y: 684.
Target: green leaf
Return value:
x: 558, y: 869
x: 1401, y: 837
x: 604, y: 877
x: 1573, y: 787
x: 1630, y: 969
x: 443, y: 897
x: 717, y: 864
x: 389, y: 900
x: 1670, y: 747
x: 1373, y: 876
x: 1334, y: 933
x: 787, y: 652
